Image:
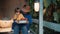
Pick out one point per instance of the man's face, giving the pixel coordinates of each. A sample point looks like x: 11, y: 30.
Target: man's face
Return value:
x: 28, y: 7
x: 26, y: 10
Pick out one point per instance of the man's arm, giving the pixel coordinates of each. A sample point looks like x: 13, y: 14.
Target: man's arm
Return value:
x: 30, y: 19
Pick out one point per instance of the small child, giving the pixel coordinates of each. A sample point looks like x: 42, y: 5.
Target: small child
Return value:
x: 18, y: 16
x: 16, y: 26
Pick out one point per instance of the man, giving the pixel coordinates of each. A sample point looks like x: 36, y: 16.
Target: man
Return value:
x: 25, y: 11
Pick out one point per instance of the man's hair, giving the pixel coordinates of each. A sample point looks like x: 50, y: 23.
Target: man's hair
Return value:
x: 24, y: 6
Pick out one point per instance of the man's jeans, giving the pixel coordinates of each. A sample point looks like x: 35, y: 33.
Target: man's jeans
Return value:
x: 18, y: 28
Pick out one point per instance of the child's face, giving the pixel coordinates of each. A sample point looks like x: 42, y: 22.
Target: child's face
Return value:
x: 18, y: 12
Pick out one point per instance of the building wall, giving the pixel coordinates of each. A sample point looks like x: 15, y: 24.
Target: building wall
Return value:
x: 8, y: 7
x: 0, y: 10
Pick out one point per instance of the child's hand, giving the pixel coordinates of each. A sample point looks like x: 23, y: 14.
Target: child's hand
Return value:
x: 24, y: 19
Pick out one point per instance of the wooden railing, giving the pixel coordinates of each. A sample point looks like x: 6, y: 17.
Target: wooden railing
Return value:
x: 49, y: 25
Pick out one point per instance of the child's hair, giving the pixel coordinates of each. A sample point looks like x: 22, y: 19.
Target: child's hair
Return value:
x: 16, y: 9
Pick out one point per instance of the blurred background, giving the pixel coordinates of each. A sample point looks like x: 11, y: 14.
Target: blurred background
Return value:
x: 51, y: 14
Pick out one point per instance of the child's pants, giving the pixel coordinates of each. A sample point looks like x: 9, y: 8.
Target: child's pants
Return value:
x: 18, y: 28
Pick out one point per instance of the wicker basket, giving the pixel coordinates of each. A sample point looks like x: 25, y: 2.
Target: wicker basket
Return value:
x: 6, y: 25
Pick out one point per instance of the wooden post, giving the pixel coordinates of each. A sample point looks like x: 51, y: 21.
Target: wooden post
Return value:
x: 41, y: 18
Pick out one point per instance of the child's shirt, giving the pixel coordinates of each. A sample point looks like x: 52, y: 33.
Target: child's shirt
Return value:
x: 18, y: 17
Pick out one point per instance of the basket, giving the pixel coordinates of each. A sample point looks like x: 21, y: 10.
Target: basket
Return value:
x: 6, y: 25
